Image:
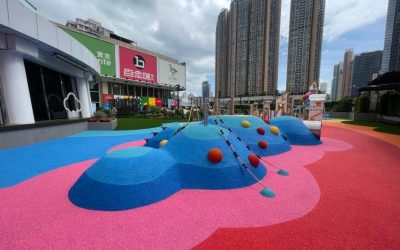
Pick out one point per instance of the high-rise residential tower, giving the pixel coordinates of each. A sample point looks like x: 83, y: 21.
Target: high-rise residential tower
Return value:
x: 221, y: 51
x: 337, y: 95
x: 365, y: 66
x: 305, y: 43
x: 334, y: 83
x: 323, y: 87
x: 347, y: 72
x: 251, y: 48
x: 391, y: 52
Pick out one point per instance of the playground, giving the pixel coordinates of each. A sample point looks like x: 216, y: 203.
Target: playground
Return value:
x: 239, y: 182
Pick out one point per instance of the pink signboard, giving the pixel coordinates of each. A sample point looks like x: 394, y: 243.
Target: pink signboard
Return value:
x: 138, y: 66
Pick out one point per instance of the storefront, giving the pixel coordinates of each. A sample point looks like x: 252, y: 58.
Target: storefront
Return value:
x: 44, y: 78
x: 130, y: 75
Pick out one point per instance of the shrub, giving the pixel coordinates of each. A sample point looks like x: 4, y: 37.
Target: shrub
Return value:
x: 390, y: 104
x: 362, y: 104
x: 107, y: 112
x: 99, y: 114
x: 344, y: 105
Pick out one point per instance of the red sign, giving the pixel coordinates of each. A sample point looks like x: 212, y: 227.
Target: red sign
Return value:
x: 158, y: 102
x: 107, y: 97
x: 138, y: 66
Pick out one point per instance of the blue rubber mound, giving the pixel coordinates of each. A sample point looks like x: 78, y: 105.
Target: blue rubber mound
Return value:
x: 250, y: 136
x: 125, y: 179
x: 139, y: 176
x: 166, y: 134
x: 295, y: 130
x: 190, y: 149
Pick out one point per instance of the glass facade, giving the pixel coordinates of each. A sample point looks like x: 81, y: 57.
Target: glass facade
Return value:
x: 48, y: 90
x: 136, y: 91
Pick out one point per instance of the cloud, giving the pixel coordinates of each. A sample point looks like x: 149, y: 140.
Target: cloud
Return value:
x: 344, y: 16
x: 341, y: 16
x: 185, y: 29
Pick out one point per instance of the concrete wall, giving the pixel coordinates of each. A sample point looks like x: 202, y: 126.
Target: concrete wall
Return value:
x: 20, y: 137
x: 365, y: 116
x: 339, y: 115
x: 389, y: 119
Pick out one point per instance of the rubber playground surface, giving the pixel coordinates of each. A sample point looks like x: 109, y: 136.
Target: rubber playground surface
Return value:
x: 343, y: 193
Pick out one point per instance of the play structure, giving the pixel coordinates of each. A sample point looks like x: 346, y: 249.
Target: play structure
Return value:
x: 221, y: 152
x: 227, y: 153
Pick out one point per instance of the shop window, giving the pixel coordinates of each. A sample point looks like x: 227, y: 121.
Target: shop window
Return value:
x: 69, y: 86
x: 110, y: 88
x: 131, y: 90
x: 116, y: 89
x: 54, y: 93
x: 124, y: 89
x: 48, y: 89
x: 37, y: 91
x: 94, y: 92
x: 138, y: 91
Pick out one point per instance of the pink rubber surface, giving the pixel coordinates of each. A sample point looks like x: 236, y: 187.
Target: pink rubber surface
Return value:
x: 37, y: 213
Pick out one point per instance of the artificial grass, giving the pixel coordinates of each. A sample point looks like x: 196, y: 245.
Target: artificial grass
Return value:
x: 379, y: 126
x: 141, y: 123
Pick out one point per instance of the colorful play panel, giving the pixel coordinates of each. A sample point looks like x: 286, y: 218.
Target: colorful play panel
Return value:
x: 182, y: 186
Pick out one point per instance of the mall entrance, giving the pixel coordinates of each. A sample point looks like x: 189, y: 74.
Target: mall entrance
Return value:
x: 48, y: 90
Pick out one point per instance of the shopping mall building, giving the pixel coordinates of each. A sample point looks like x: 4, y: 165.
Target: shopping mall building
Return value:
x: 55, y: 75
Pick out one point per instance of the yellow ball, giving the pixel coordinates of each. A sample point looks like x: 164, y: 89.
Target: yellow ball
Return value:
x: 163, y: 142
x: 246, y: 124
x: 274, y: 130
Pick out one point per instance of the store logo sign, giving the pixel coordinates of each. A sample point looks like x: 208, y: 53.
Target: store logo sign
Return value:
x: 139, y: 62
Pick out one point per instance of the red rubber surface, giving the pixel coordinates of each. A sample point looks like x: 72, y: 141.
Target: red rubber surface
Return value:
x: 359, y: 206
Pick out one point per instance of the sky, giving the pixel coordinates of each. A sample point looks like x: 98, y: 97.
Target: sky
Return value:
x: 185, y: 29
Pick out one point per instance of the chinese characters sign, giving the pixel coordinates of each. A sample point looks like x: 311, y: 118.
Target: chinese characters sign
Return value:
x: 103, y: 51
x: 136, y: 65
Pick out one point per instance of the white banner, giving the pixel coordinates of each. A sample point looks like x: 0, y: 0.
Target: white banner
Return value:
x: 171, y: 73
x: 316, y: 111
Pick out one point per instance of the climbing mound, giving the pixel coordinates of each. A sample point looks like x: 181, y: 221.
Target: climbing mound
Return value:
x: 295, y: 130
x: 251, y: 130
x: 197, y: 157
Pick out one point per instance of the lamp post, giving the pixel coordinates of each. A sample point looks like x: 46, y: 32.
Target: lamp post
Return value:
x: 178, y: 87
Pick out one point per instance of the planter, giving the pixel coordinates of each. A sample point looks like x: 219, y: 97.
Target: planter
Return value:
x: 103, y: 125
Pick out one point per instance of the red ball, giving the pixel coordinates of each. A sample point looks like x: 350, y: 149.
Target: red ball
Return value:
x: 261, y: 131
x: 266, y: 120
x: 262, y: 144
x: 254, y: 161
x: 214, y: 155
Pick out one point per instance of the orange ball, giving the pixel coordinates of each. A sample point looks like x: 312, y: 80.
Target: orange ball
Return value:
x: 262, y: 144
x: 215, y: 155
x: 253, y: 159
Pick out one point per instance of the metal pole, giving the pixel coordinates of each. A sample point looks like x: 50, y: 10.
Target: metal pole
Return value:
x: 206, y: 94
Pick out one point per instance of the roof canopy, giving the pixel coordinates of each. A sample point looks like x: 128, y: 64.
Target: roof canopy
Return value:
x: 387, y: 81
